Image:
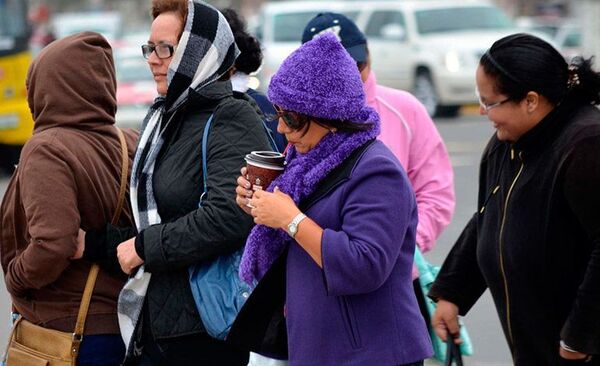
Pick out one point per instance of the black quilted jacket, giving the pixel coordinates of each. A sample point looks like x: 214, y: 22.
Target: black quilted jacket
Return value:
x: 187, y: 234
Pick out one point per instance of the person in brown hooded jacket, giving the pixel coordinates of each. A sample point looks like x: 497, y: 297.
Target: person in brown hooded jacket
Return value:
x: 68, y: 178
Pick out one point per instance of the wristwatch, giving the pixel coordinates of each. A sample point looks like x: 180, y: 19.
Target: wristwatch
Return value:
x: 292, y: 227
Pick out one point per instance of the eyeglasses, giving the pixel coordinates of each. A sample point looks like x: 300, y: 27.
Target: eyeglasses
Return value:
x: 489, y: 107
x: 163, y: 50
x: 293, y: 120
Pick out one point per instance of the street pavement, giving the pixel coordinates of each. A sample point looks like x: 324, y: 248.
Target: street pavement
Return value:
x: 465, y: 138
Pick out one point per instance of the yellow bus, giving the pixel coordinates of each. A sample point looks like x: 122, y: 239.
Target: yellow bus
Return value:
x: 16, y: 124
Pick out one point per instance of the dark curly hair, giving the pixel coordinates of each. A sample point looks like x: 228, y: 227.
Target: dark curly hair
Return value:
x: 251, y: 56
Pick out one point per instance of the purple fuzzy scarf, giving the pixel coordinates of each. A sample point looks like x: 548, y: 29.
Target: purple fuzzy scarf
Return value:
x: 301, y: 177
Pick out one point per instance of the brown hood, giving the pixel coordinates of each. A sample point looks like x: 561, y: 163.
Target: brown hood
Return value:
x: 72, y: 82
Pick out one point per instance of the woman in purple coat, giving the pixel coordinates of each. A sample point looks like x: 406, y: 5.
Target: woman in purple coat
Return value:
x: 340, y: 221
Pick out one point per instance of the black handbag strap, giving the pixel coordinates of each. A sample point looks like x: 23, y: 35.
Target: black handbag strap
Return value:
x: 452, y: 352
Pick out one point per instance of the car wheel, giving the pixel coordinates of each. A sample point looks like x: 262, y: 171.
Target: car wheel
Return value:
x: 424, y: 91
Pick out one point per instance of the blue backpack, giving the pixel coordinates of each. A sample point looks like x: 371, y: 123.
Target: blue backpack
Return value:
x: 218, y: 291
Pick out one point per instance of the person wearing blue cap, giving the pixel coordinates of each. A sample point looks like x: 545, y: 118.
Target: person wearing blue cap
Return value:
x: 407, y: 130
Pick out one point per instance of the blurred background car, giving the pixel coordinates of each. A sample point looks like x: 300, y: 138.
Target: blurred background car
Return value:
x: 279, y: 28
x: 430, y: 48
x: 107, y: 23
x: 566, y: 33
x: 569, y: 39
x: 135, y: 87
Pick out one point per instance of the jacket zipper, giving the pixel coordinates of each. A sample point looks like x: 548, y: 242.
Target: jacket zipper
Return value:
x: 507, y: 297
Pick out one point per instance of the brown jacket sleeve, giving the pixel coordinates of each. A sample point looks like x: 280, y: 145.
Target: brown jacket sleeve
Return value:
x: 49, y: 197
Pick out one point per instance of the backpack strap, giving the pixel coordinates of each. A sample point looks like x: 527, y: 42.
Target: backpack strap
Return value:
x: 204, y: 158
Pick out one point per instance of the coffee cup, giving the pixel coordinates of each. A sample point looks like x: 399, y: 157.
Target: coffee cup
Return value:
x: 262, y: 167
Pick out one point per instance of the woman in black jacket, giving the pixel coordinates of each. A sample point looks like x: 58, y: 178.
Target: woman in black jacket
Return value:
x: 535, y: 240
x: 190, y: 51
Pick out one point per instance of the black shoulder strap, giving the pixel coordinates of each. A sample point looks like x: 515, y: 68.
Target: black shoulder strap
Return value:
x: 335, y: 177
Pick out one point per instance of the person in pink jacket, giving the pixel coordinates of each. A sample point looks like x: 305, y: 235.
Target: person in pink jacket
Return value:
x: 409, y: 132
x: 406, y: 129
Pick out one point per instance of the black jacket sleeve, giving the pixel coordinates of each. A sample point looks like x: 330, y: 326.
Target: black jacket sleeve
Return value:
x: 101, y: 246
x: 460, y: 280
x: 582, y: 179
x: 219, y: 226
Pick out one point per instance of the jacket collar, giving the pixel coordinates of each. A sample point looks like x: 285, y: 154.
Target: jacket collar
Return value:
x: 211, y: 93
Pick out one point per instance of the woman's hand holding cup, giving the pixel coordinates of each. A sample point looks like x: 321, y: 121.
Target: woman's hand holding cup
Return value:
x: 275, y: 209
x: 262, y: 167
x: 243, y: 192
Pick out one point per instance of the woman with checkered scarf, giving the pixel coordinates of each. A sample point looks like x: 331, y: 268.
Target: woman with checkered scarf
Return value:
x: 189, y: 51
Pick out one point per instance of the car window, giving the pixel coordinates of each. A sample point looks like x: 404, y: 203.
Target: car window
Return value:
x: 459, y: 19
x: 288, y: 27
x: 381, y: 20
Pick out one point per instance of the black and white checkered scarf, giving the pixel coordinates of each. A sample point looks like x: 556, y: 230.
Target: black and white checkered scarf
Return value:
x: 204, y: 53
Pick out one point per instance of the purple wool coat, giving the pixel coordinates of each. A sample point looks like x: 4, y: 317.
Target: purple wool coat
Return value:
x: 360, y: 308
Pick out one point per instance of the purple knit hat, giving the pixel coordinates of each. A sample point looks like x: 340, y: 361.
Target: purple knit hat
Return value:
x: 320, y: 79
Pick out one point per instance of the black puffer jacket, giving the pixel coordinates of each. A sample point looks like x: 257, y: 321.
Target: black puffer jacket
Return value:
x: 188, y: 234
x: 535, y: 241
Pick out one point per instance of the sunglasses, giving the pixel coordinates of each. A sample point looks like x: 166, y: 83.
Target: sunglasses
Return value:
x: 163, y: 50
x: 293, y: 120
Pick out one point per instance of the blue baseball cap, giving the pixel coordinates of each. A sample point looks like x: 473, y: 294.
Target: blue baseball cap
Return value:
x: 353, y: 40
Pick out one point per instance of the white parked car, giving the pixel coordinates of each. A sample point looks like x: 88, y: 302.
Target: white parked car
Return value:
x: 107, y: 23
x: 279, y: 28
x: 430, y: 48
